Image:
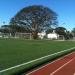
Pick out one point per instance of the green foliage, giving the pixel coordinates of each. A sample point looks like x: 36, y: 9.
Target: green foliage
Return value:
x: 61, y: 30
x: 5, y: 29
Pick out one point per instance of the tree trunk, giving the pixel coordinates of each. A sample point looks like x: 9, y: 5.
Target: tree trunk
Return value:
x: 34, y: 34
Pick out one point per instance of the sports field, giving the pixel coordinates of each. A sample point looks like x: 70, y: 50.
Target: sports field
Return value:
x: 17, y: 51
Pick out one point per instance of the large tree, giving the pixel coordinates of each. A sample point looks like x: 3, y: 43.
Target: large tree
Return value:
x: 35, y: 19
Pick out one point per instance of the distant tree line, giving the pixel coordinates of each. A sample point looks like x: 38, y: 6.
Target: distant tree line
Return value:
x: 59, y: 30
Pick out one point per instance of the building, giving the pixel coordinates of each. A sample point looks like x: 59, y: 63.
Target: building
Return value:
x: 42, y: 35
x: 52, y: 35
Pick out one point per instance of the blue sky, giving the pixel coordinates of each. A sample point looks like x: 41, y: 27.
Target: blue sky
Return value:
x: 64, y: 8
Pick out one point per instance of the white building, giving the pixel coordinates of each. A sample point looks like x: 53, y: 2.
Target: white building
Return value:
x: 42, y: 35
x: 52, y: 35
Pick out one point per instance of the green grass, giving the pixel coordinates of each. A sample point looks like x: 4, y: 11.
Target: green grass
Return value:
x: 18, y: 51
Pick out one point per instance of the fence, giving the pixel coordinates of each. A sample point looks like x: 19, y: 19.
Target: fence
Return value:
x: 16, y: 35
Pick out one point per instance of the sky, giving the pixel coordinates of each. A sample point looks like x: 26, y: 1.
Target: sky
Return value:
x: 64, y: 8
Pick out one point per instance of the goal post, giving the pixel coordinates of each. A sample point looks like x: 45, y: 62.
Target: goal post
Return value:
x: 24, y: 35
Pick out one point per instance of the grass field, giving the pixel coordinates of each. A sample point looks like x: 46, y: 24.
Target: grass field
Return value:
x: 18, y: 51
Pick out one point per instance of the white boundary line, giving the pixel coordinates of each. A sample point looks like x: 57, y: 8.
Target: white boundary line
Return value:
x: 74, y: 74
x: 34, y: 60
x: 49, y: 63
x: 62, y: 66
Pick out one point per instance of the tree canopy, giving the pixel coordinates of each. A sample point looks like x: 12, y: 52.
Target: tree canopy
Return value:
x: 61, y: 30
x: 5, y: 29
x: 35, y: 19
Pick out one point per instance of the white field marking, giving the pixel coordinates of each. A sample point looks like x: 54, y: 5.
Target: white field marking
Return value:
x: 74, y: 74
x: 34, y: 60
x: 48, y: 64
x: 62, y: 66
